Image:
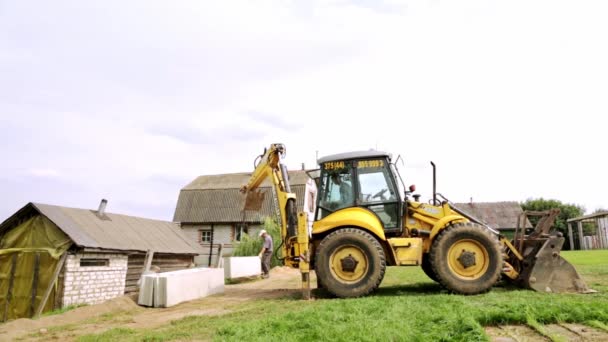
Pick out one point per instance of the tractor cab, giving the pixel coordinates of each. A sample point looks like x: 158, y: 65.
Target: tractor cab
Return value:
x: 360, y: 179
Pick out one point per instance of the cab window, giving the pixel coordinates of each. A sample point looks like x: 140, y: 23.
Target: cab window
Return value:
x: 377, y: 191
x: 336, y: 190
x: 375, y: 184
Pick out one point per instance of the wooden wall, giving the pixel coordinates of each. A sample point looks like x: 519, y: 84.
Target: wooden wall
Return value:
x: 166, y: 263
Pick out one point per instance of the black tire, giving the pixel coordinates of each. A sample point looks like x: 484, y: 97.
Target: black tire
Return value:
x: 320, y: 285
x: 428, y: 268
x: 474, y: 273
x: 366, y: 275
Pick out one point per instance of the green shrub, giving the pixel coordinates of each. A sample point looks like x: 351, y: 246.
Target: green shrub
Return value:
x: 251, y: 245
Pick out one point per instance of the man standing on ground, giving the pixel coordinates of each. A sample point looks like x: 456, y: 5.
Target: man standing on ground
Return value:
x: 266, y: 253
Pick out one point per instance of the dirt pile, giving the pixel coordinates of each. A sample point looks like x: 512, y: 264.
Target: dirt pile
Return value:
x: 283, y: 270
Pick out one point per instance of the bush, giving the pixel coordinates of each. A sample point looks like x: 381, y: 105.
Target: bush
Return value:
x: 251, y: 245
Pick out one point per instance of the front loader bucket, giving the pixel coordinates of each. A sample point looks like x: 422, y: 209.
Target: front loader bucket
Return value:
x: 547, y: 271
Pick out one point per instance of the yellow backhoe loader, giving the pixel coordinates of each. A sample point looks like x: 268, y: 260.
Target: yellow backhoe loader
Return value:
x: 364, y: 223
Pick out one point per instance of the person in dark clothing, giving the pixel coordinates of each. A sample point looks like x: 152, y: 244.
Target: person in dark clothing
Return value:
x: 266, y: 253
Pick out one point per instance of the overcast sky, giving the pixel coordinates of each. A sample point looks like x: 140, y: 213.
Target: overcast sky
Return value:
x: 131, y: 100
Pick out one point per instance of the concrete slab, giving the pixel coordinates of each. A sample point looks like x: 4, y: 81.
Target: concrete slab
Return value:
x: 237, y: 267
x: 146, y: 290
x: 171, y: 288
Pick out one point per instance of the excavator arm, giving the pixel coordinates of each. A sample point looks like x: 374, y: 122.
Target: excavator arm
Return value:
x: 268, y: 166
x: 294, y: 227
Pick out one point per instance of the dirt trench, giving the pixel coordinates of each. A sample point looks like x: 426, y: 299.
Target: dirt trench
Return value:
x: 558, y: 332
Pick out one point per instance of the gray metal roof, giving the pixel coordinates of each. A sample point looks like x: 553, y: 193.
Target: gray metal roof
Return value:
x: 112, y: 231
x: 237, y: 180
x: 227, y: 205
x: 498, y: 215
x: 217, y: 199
x: 353, y: 155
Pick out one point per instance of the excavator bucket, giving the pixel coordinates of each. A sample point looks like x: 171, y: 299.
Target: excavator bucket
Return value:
x: 254, y: 200
x: 542, y: 268
x: 548, y: 271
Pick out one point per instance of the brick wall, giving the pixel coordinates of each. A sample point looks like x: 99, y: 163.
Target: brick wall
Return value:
x: 94, y: 284
x: 222, y: 234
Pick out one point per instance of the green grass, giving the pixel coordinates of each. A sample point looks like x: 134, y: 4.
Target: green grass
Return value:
x: 62, y: 310
x: 55, y: 329
x: 598, y: 325
x: 115, y: 334
x: 533, y: 323
x: 408, y: 306
x: 598, y: 257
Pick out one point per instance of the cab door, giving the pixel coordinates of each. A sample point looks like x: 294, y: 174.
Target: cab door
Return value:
x: 336, y: 190
x: 377, y: 191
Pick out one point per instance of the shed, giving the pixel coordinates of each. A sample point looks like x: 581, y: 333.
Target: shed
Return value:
x: 502, y: 216
x: 80, y: 256
x: 595, y: 237
x: 211, y: 209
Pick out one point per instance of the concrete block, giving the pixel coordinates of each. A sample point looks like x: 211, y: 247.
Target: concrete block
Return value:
x: 185, y: 285
x: 171, y: 288
x: 236, y: 267
x: 146, y: 290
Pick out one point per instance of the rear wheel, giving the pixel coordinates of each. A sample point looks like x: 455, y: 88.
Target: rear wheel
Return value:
x: 350, y: 263
x: 467, y: 258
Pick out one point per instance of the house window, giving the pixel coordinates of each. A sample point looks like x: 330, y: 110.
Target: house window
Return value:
x: 240, y: 230
x: 94, y: 262
x: 205, y: 236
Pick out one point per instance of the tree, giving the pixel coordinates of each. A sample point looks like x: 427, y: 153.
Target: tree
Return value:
x: 567, y: 211
x: 251, y: 245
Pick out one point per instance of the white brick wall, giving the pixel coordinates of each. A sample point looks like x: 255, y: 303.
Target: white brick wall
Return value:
x: 191, y: 231
x: 94, y: 284
x: 222, y: 234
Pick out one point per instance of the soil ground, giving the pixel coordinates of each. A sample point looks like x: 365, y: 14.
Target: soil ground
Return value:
x: 284, y: 282
x: 124, y: 312
x: 559, y: 332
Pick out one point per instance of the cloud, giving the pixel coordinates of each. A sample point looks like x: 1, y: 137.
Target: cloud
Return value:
x: 276, y: 121
x: 131, y: 99
x: 43, y: 173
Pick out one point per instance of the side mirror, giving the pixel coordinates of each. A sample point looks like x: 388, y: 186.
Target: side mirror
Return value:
x: 412, y: 188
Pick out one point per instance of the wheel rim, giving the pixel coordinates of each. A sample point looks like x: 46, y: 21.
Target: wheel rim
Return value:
x: 349, y: 264
x: 468, y: 259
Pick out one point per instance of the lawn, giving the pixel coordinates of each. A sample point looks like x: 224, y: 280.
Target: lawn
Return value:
x: 407, y: 307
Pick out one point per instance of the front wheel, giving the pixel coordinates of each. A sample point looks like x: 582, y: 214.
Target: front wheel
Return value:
x: 428, y: 268
x: 467, y: 258
x: 350, y: 263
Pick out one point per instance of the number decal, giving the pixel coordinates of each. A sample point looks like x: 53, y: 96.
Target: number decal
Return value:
x: 362, y: 164
x: 334, y: 165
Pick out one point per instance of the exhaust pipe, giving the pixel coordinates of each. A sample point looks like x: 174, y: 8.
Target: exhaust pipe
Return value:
x: 434, y: 184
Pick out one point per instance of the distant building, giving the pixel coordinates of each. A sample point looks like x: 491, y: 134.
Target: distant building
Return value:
x: 594, y: 238
x: 80, y: 256
x: 502, y: 216
x: 211, y: 209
